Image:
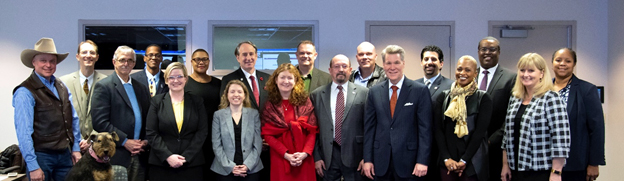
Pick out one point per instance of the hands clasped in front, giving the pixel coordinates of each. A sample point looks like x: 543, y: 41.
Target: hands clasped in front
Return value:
x: 240, y: 170
x: 176, y: 161
x: 135, y: 146
x: 455, y: 166
x: 295, y: 159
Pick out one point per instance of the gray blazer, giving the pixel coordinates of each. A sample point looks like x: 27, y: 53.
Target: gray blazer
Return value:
x: 352, y: 125
x: 223, y: 141
x: 80, y: 100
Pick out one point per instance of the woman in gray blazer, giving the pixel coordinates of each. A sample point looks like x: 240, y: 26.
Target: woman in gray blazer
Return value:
x: 236, y: 137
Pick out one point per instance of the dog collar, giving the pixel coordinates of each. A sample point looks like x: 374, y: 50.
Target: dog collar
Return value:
x: 92, y: 153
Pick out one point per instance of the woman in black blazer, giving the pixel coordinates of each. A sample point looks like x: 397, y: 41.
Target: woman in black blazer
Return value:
x: 586, y: 119
x: 462, y: 116
x: 177, y: 127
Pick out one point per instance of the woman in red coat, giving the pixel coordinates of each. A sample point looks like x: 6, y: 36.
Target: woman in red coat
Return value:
x: 289, y: 126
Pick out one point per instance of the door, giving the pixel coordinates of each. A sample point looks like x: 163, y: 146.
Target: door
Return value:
x: 542, y: 37
x: 413, y: 36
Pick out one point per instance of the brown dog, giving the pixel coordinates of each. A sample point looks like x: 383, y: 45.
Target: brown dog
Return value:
x: 94, y: 165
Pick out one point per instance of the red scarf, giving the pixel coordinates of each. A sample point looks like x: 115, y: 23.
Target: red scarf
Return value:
x: 275, y: 125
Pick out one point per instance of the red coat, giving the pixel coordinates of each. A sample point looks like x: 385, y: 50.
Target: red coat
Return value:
x: 290, y: 130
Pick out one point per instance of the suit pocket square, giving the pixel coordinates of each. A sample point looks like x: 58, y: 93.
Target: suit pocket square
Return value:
x: 409, y: 104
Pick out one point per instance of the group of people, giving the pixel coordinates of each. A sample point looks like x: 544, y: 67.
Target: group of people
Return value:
x: 301, y: 123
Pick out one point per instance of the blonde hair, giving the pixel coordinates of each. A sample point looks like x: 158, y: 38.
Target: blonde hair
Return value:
x: 173, y: 66
x: 225, y: 102
x: 533, y: 60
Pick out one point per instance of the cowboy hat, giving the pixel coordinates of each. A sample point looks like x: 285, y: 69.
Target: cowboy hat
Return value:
x: 44, y: 45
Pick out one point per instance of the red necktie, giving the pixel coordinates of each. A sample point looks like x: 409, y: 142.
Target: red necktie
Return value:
x: 484, y: 82
x: 255, y: 90
x: 393, y: 100
x: 340, y: 106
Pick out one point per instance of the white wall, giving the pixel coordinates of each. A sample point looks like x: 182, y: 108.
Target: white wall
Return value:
x: 614, y: 133
x: 22, y: 23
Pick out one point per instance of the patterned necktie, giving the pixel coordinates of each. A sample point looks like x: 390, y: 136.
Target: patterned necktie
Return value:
x: 256, y: 93
x: 428, y: 84
x: 152, y: 87
x: 85, y: 87
x: 393, y: 100
x: 340, y: 106
x: 484, y: 81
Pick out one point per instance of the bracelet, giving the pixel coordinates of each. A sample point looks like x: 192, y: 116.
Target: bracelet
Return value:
x: 462, y: 160
x: 445, y: 160
x: 556, y: 172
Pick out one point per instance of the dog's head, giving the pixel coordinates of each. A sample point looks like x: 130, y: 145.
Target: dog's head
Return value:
x: 103, y: 144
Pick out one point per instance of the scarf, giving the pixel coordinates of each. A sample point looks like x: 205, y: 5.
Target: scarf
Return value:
x: 293, y: 132
x: 457, y: 108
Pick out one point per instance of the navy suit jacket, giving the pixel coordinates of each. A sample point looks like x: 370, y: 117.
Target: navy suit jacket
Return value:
x: 587, y: 126
x: 141, y: 77
x: 111, y: 110
x: 406, y: 137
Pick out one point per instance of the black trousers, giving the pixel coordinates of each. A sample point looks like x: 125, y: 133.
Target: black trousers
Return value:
x: 574, y: 175
x: 231, y: 177
x: 391, y: 174
x: 530, y: 175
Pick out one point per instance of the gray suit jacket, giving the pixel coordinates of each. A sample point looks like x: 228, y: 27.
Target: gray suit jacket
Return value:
x: 80, y: 100
x: 352, y: 125
x: 438, y: 86
x: 223, y: 141
x: 319, y: 78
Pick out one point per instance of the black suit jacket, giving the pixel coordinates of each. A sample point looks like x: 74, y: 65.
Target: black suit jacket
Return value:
x: 141, y: 77
x: 239, y: 75
x: 438, y: 86
x: 500, y: 92
x: 164, y: 137
x: 587, y: 126
x: 111, y: 110
x: 352, y: 125
x: 407, y: 136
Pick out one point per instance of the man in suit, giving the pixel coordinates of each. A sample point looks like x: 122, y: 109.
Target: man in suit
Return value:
x: 432, y: 61
x: 397, y: 124
x: 246, y: 54
x: 312, y: 77
x: 152, y: 77
x: 80, y: 84
x: 369, y: 73
x: 497, y: 82
x: 339, y: 108
x: 120, y: 105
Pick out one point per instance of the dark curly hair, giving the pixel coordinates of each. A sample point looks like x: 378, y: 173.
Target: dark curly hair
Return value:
x: 298, y: 95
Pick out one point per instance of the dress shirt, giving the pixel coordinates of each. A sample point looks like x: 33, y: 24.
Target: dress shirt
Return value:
x: 135, y: 107
x: 90, y: 78
x: 430, y: 80
x: 359, y: 80
x: 24, y: 105
x: 399, y: 84
x: 491, y: 72
x: 333, y: 97
x: 247, y: 74
x: 150, y: 76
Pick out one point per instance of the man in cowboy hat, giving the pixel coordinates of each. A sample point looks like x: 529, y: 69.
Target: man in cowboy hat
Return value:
x: 45, y: 120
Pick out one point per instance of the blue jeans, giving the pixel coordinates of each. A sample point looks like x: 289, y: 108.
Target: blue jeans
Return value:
x: 54, y: 165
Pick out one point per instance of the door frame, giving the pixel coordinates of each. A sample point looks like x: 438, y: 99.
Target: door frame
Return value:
x: 570, y: 23
x: 450, y: 56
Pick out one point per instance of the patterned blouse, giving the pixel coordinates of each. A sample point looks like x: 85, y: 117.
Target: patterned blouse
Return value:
x: 544, y: 133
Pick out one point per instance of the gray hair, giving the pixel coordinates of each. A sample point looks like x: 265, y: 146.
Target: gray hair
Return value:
x: 124, y: 49
x: 393, y: 49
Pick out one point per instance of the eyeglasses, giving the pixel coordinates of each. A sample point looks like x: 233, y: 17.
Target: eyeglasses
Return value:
x: 153, y: 55
x: 201, y: 60
x: 123, y: 61
x: 176, y: 77
x: 485, y: 49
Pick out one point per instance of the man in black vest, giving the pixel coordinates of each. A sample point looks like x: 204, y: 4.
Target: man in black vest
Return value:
x: 45, y: 120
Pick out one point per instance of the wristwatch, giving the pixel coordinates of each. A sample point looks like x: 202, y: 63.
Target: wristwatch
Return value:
x: 556, y: 171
